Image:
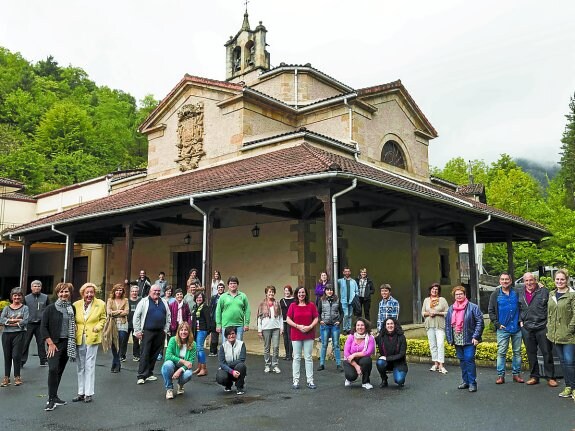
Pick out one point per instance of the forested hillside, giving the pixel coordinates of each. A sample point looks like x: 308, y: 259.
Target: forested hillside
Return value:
x: 58, y: 127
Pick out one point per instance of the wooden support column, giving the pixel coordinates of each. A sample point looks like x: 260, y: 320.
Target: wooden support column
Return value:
x: 24, y: 265
x: 209, y: 253
x: 473, y: 273
x: 510, y: 263
x: 415, y: 280
x: 129, y: 238
x: 69, y: 264
x: 329, y: 239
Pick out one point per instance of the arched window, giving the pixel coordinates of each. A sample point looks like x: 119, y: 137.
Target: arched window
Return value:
x: 237, y: 58
x: 392, y: 154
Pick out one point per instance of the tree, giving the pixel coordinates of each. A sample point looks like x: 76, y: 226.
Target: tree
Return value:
x: 456, y: 171
x: 568, y: 156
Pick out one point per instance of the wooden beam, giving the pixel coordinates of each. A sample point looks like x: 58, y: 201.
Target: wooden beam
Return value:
x: 383, y: 217
x: 267, y: 211
x: 510, y: 262
x: 179, y: 220
x: 329, y: 239
x: 25, y: 265
x: 129, y: 238
x: 209, y: 254
x: 294, y: 210
x: 415, y: 279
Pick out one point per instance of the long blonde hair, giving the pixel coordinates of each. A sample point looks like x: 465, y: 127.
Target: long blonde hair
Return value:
x: 179, y: 341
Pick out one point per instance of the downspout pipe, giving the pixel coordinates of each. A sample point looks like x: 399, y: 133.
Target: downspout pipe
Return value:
x: 475, y: 226
x: 334, y: 224
x: 204, y: 238
x: 350, y: 137
x: 66, y: 252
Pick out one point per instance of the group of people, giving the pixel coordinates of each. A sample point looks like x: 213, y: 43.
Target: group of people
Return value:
x: 74, y: 331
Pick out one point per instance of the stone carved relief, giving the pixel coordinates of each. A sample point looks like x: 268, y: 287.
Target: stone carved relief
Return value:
x: 190, y: 136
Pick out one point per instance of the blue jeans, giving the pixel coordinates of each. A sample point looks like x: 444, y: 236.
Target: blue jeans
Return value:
x: 122, y: 338
x: 168, y: 370
x: 346, y: 317
x: 200, y: 338
x: 239, y: 333
x: 566, y: 353
x: 398, y: 375
x: 466, y: 356
x: 502, y: 345
x: 325, y: 332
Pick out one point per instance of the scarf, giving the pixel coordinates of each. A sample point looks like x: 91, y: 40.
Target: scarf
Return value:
x: 363, y: 337
x: 179, y: 317
x: 458, y: 315
x: 199, y: 310
x: 433, y: 302
x: 66, y: 307
x: 264, y: 309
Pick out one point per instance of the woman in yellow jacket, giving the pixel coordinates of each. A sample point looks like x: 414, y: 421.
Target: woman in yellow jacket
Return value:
x: 90, y: 320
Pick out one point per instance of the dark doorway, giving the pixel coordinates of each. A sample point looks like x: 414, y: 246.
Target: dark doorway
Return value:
x: 184, y: 262
x: 79, y: 275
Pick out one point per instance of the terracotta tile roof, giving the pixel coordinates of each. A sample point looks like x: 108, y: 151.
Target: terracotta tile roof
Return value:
x: 308, y: 67
x: 16, y: 196
x: 397, y: 85
x: 299, y: 163
x: 471, y: 189
x: 8, y: 183
x: 305, y: 134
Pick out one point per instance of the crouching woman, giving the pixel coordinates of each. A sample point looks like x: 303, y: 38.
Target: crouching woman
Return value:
x: 392, y: 347
x: 180, y: 358
x: 232, y: 358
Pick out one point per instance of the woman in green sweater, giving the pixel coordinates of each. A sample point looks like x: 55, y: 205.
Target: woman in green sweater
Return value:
x: 180, y: 358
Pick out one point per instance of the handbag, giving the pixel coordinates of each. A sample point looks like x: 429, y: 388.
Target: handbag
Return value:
x: 356, y: 306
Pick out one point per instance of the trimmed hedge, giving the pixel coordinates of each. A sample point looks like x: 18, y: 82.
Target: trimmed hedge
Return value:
x: 4, y: 303
x: 486, y: 351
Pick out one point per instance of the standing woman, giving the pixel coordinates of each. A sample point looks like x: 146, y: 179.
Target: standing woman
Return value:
x: 215, y: 282
x: 330, y: 314
x: 561, y: 328
x: 270, y: 325
x: 302, y: 317
x: 59, y: 332
x: 200, y: 327
x: 359, y: 347
x: 179, y: 313
x: 90, y: 319
x: 117, y: 308
x: 14, y: 318
x: 463, y: 329
x: 320, y: 287
x: 285, y: 302
x: 434, y: 310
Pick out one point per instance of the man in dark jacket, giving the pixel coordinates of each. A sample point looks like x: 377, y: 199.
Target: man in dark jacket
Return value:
x: 143, y: 282
x: 533, y: 301
x: 36, y: 302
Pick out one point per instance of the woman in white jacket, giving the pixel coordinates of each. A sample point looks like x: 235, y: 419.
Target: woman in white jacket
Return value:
x: 270, y: 327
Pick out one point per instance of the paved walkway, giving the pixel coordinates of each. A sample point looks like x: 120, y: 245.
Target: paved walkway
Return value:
x: 429, y: 401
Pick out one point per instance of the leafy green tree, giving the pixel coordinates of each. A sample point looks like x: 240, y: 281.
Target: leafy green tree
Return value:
x: 26, y: 165
x: 456, y: 171
x: 568, y: 155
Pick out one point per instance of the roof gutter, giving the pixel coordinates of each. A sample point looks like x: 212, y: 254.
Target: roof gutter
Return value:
x: 204, y: 238
x: 53, y: 227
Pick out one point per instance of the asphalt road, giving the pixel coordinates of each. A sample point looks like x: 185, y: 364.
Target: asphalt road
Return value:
x: 429, y: 401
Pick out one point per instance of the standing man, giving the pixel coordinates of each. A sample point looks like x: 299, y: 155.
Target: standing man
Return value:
x: 36, y: 302
x: 233, y: 309
x: 533, y: 301
x: 151, y: 325
x: 347, y: 290
x: 162, y: 282
x: 388, y: 307
x: 504, y: 313
x: 133, y: 301
x: 365, y: 290
x: 143, y: 283
x: 213, y: 307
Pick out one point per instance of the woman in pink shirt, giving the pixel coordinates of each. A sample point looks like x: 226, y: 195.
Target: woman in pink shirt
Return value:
x: 359, y: 347
x: 302, y: 316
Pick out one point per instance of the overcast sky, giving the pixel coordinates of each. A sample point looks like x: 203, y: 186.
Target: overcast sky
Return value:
x: 493, y: 77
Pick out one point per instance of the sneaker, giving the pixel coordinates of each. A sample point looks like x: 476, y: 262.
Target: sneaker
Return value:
x: 159, y: 358
x: 136, y: 359
x: 267, y: 369
x: 50, y: 405
x: 240, y: 391
x: 59, y: 402
x: 180, y: 390
x: 276, y: 370
x: 5, y: 382
x: 140, y: 382
x: 367, y: 386
x: 226, y: 389
x: 213, y: 355
x: 123, y: 359
x: 295, y: 384
x: 433, y: 368
x: 321, y: 368
x: 17, y: 381
x: 347, y: 383
x: 151, y: 379
x: 44, y: 364
x: 169, y: 394
x: 567, y: 392
x: 442, y: 370
x: 311, y: 385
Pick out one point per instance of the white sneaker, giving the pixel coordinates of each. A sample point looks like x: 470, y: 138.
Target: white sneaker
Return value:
x: 151, y: 379
x: 442, y: 370
x: 277, y: 370
x: 180, y: 390
x: 169, y: 394
x: 434, y: 368
x: 267, y: 369
x: 347, y: 383
x: 367, y: 386
x: 140, y: 382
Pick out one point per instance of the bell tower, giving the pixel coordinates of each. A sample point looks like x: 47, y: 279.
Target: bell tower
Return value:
x: 246, y: 51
